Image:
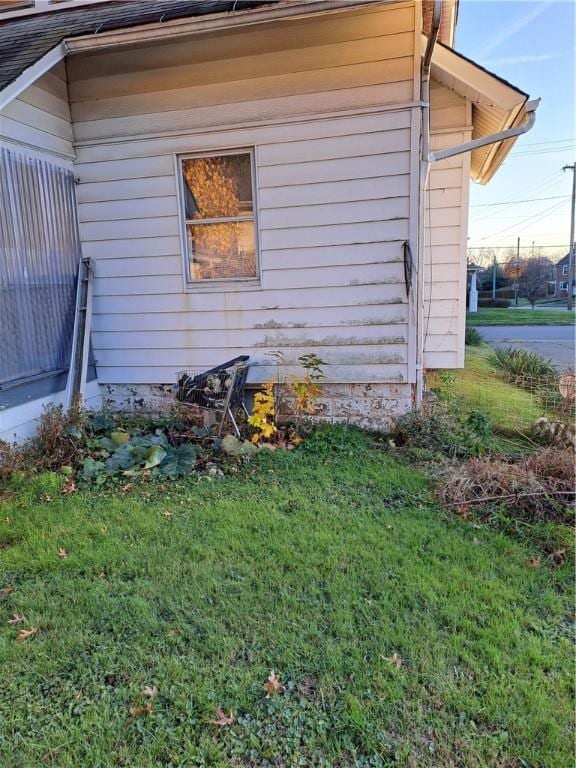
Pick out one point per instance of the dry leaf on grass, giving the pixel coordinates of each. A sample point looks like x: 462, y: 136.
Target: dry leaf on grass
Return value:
x: 533, y: 562
x: 174, y: 632
x: 394, y: 660
x: 69, y: 488
x: 16, y: 619
x: 150, y: 691
x: 221, y: 718
x: 273, y: 685
x: 167, y: 514
x: 45, y: 497
x: 7, y: 520
x: 26, y: 634
x: 5, y: 592
x: 140, y: 711
x: 558, y: 556
x: 62, y: 554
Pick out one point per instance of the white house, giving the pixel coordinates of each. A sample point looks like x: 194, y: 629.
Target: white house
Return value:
x: 244, y: 177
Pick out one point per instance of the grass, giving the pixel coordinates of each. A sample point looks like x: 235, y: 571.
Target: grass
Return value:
x: 488, y: 316
x: 478, y: 387
x: 319, y: 565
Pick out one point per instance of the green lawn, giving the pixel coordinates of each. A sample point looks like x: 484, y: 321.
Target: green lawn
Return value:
x: 487, y: 316
x: 479, y: 387
x: 321, y: 566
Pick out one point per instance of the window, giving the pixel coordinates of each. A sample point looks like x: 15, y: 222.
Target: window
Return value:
x: 217, y: 194
x: 563, y: 285
x: 551, y: 289
x: 564, y: 269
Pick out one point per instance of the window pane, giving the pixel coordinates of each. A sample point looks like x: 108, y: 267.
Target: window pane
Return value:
x: 218, y: 251
x: 217, y: 187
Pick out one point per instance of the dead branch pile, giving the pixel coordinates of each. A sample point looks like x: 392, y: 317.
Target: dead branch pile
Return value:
x: 541, y: 486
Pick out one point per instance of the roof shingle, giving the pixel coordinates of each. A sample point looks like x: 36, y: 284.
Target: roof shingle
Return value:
x: 26, y: 39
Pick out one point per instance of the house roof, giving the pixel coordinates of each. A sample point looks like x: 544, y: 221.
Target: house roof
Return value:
x: 25, y: 40
x: 563, y: 260
x: 497, y: 105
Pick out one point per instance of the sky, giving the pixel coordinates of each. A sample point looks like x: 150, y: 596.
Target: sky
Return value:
x: 532, y: 45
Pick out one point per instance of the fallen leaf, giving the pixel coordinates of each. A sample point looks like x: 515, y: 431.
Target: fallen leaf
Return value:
x: 533, y: 562
x: 5, y: 592
x: 69, y: 488
x: 139, y: 711
x: 150, y: 691
x: 45, y: 497
x: 16, y: 619
x: 26, y: 634
x: 174, y: 632
x: 222, y: 718
x: 559, y: 556
x: 463, y: 511
x: 62, y: 554
x: 273, y: 685
x: 394, y: 660
x: 126, y: 487
x: 167, y: 514
x: 7, y: 520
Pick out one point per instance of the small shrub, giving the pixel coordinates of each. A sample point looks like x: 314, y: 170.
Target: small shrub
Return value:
x: 334, y: 439
x: 494, y: 303
x: 521, y: 363
x: 472, y: 338
x: 438, y: 428
x: 501, y: 293
x: 262, y: 418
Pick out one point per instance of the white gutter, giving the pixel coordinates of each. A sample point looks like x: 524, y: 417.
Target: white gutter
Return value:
x: 191, y: 25
x: 510, y: 133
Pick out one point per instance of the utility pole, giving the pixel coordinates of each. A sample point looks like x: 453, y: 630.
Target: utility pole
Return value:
x: 494, y: 277
x: 516, y: 285
x: 571, y: 256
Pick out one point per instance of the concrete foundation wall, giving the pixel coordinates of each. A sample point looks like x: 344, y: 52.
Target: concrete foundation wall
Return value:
x: 371, y: 406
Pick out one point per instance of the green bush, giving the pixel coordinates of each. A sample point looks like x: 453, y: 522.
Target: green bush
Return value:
x: 472, y: 338
x: 501, y: 293
x: 438, y: 428
x: 522, y: 363
x: 494, y: 303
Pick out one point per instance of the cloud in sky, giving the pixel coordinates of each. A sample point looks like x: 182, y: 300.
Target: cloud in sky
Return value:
x: 522, y: 58
x: 505, y: 33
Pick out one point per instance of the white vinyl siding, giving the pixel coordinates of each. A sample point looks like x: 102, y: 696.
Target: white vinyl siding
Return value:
x: 39, y: 118
x: 446, y: 231
x: 332, y: 197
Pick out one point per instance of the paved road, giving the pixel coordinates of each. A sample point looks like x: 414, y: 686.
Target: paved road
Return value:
x: 556, y: 342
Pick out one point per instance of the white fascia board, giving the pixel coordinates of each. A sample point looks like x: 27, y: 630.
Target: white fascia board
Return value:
x: 213, y: 22
x: 31, y: 74
x: 475, y: 78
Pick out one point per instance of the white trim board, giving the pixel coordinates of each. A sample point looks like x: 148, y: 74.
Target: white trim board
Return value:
x: 31, y: 74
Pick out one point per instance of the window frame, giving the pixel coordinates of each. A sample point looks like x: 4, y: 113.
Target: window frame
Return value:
x: 563, y: 286
x: 565, y: 269
x: 217, y: 283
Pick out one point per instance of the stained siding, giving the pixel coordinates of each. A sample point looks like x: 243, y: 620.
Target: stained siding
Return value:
x: 332, y: 178
x: 39, y: 118
x: 446, y: 216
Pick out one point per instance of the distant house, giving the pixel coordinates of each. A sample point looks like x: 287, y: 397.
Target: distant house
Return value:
x: 244, y: 177
x: 558, y: 283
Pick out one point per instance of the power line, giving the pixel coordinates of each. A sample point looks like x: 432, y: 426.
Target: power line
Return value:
x: 517, y: 202
x: 527, y: 222
x: 506, y: 247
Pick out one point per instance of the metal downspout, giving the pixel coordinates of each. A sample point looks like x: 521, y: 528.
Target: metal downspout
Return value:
x: 424, y: 170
